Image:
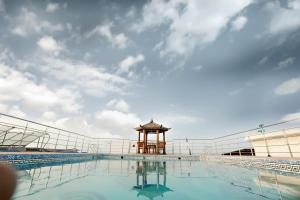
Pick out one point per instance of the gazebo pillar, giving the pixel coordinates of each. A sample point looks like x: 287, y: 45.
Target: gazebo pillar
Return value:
x: 157, y: 141
x: 144, y: 146
x: 164, y: 140
x: 139, y: 140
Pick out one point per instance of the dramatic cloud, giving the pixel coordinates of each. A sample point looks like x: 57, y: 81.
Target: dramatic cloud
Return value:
x: 234, y: 92
x: 49, y: 116
x: 52, y: 7
x: 182, y: 16
x: 17, y: 87
x: 119, y: 105
x: 284, y: 19
x: 285, y: 63
x: 2, y: 6
x: 288, y: 87
x: 12, y: 110
x: 291, y: 116
x: 129, y: 62
x: 117, y: 122
x: 49, y: 44
x: 171, y: 119
x: 117, y: 40
x: 263, y: 61
x: 28, y: 22
x: 93, y: 80
x: 239, y: 23
x: 197, y: 68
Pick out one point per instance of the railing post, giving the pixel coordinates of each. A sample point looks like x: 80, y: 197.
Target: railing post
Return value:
x: 122, y: 146
x: 82, y: 144
x: 98, y: 146
x: 37, y: 145
x: 75, y: 145
x: 287, y: 143
x: 43, y: 138
x: 129, y: 146
x: 216, y: 148
x: 239, y: 146
x: 68, y: 141
x: 6, y: 132
x: 88, y: 146
x: 179, y: 147
x: 110, y: 146
x: 173, y: 147
x: 261, y: 126
x: 57, y: 140
x: 21, y: 141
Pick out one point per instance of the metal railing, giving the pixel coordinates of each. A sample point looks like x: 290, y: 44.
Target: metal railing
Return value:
x: 275, y: 140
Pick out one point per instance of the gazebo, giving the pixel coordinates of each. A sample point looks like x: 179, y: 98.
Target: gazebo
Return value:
x: 151, y: 147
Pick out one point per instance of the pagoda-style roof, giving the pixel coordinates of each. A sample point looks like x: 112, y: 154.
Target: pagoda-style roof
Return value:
x: 152, y: 126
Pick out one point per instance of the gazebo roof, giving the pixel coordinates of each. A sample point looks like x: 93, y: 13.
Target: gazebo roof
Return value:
x: 152, y: 126
x: 151, y: 191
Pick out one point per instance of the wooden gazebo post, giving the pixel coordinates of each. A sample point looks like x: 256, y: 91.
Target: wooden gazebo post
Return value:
x: 157, y: 142
x: 151, y: 128
x: 164, y: 141
x: 145, y: 141
x: 139, y: 140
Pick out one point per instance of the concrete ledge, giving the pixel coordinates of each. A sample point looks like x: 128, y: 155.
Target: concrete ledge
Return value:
x: 148, y: 157
x: 35, y: 160
x: 278, y: 164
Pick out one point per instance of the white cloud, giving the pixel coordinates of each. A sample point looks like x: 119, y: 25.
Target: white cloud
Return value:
x: 2, y: 6
x: 93, y: 80
x: 52, y: 7
x: 119, y: 40
x: 234, y: 92
x: 284, y: 19
x: 119, y: 105
x: 49, y: 44
x: 17, y: 30
x: 16, y: 87
x: 239, y: 23
x: 129, y: 62
x: 288, y: 87
x: 12, y: 110
x: 49, y: 116
x: 285, y: 63
x: 158, y: 46
x: 197, y: 68
x: 117, y: 122
x: 192, y: 23
x: 291, y: 116
x: 28, y: 22
x: 171, y: 119
x: 263, y: 61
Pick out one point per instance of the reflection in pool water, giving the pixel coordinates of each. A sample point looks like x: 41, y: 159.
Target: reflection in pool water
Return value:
x: 155, y: 189
x: 125, y: 179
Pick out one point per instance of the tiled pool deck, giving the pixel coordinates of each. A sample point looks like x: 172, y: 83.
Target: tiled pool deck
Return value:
x: 30, y: 159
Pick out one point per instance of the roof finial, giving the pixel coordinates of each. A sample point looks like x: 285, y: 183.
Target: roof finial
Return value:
x: 151, y: 121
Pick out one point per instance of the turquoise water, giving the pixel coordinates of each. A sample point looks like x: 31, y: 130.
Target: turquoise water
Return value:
x: 176, y: 180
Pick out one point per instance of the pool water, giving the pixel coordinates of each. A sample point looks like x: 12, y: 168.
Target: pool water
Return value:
x: 131, y: 179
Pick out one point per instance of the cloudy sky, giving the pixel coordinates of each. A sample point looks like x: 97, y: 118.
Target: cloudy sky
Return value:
x: 204, y: 68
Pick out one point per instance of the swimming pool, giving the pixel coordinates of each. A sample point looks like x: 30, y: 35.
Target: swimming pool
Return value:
x: 132, y: 179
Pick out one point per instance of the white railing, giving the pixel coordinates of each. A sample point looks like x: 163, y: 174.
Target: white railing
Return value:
x: 276, y: 140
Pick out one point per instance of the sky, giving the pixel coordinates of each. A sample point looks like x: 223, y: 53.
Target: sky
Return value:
x: 102, y: 67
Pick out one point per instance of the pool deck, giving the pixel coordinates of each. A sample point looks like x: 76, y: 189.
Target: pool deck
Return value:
x: 269, y: 163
